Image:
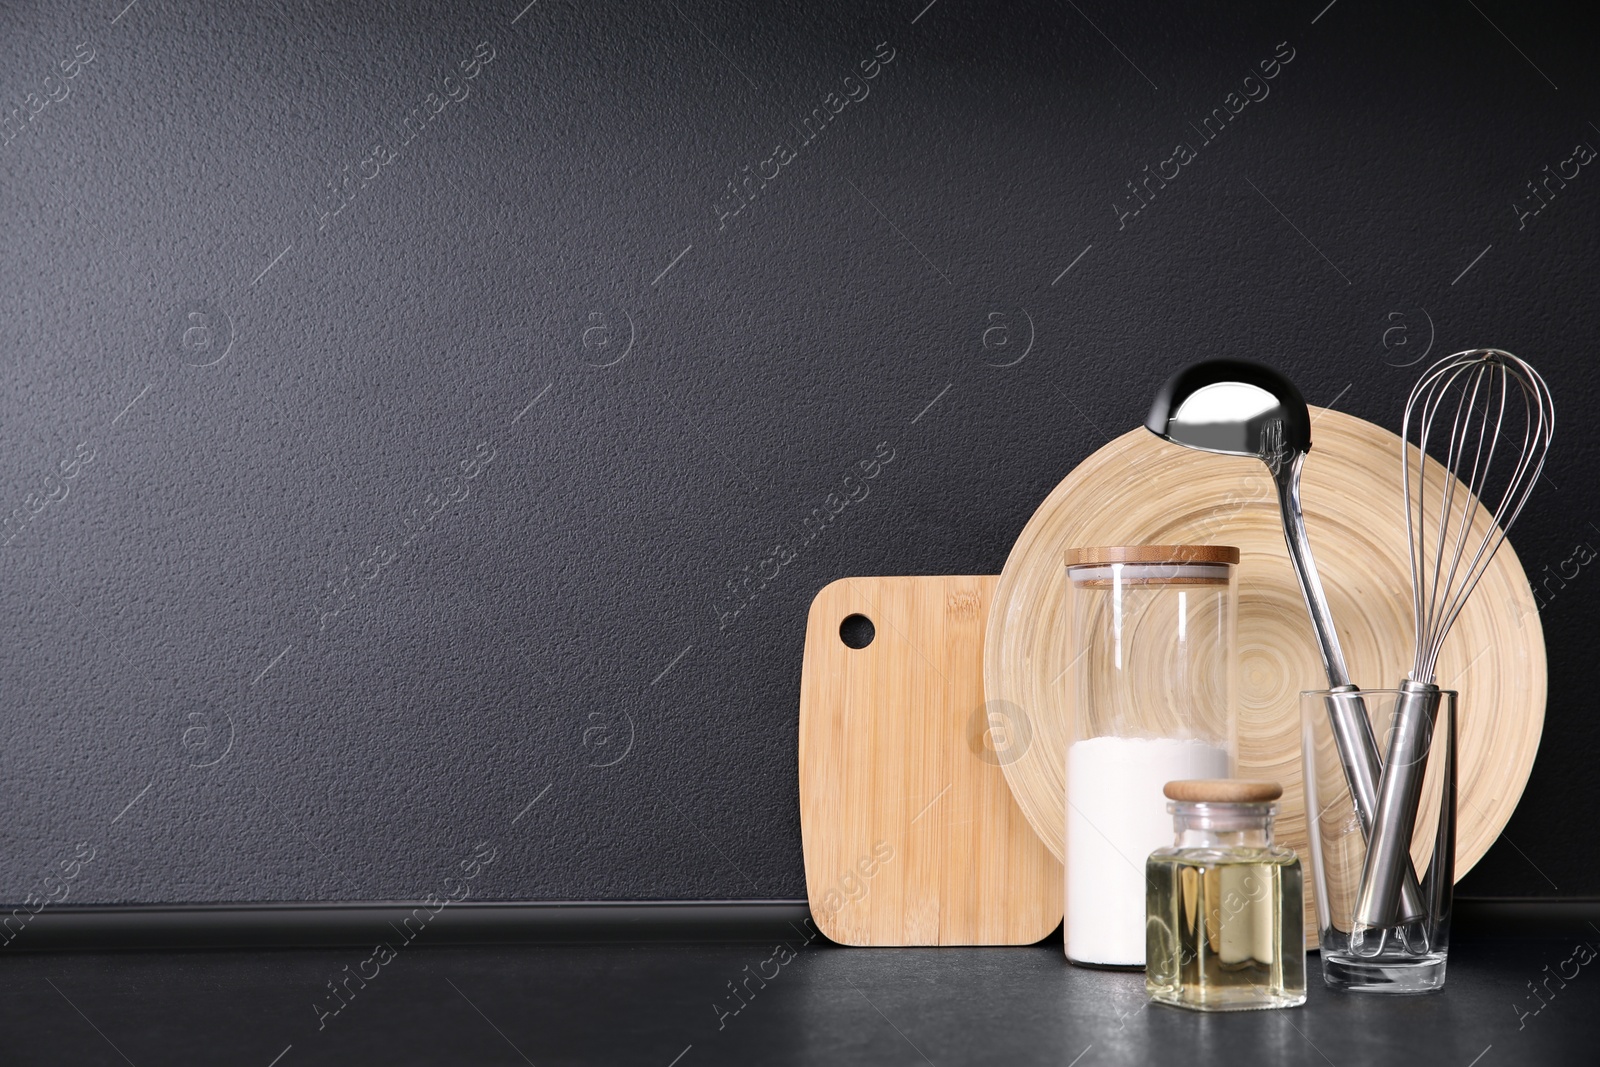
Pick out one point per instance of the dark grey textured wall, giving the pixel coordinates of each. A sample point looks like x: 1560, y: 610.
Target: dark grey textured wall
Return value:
x: 376, y: 465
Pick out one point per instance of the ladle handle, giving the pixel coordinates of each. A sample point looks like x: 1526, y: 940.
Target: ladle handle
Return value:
x: 1347, y: 711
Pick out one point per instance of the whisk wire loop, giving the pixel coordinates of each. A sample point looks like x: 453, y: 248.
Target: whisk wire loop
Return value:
x: 1482, y: 387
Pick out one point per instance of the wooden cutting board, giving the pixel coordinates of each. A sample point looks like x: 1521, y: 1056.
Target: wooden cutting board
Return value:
x: 911, y: 834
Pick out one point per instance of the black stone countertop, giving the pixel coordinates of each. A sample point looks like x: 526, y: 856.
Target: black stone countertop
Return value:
x: 662, y: 1004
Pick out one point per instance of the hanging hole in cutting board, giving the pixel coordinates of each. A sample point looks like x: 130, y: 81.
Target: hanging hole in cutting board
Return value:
x: 857, y: 631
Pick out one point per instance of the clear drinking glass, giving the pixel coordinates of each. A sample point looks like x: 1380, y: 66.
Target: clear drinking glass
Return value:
x: 1406, y: 958
x: 1153, y: 682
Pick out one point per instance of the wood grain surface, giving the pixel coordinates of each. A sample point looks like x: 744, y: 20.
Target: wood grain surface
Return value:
x: 910, y: 833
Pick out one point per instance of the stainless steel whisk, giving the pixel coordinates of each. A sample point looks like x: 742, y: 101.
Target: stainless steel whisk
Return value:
x: 1452, y: 538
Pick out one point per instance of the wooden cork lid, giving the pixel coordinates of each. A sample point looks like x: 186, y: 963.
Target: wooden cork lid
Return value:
x: 1222, y: 791
x: 1078, y: 557
x: 1096, y: 568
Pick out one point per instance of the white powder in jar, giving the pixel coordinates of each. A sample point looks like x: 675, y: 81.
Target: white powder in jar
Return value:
x: 1116, y: 817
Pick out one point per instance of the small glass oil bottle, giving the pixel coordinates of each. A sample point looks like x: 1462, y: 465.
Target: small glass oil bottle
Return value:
x: 1224, y: 926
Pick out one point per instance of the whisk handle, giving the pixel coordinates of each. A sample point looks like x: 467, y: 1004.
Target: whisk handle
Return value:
x: 1363, y: 770
x: 1399, y: 792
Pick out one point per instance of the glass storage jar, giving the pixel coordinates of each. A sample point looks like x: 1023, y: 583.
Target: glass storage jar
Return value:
x: 1226, y: 925
x: 1153, y: 700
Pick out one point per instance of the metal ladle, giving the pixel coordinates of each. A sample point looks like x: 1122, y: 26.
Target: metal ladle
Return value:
x: 1237, y: 408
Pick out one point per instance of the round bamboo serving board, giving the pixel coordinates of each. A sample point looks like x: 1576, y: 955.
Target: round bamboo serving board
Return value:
x: 1140, y: 489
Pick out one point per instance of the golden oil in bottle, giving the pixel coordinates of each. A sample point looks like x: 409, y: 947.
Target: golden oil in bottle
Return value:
x: 1224, y: 929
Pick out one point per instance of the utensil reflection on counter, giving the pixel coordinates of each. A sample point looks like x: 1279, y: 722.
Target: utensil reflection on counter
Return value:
x: 1235, y: 407
x: 1489, y: 395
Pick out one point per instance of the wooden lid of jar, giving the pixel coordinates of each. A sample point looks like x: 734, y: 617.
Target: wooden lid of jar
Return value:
x: 1077, y: 557
x: 1222, y: 791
